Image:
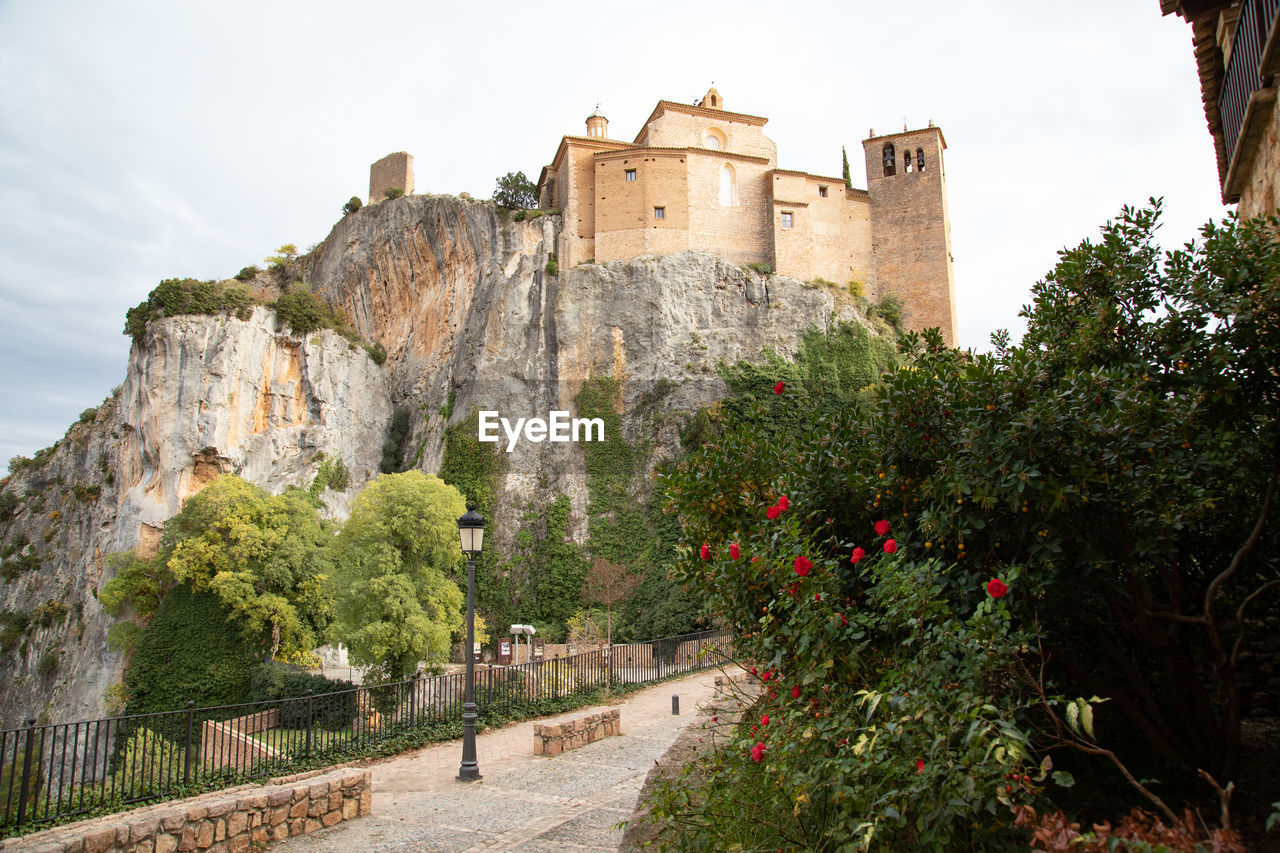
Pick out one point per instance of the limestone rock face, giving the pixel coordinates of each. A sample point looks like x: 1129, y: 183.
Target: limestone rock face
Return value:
x: 462, y: 299
x: 202, y: 395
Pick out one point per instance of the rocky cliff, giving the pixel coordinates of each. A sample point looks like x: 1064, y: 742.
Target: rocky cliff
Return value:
x: 473, y: 317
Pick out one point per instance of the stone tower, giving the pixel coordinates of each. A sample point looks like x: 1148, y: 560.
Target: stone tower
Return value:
x: 910, y: 231
x: 597, y: 124
x: 394, y: 170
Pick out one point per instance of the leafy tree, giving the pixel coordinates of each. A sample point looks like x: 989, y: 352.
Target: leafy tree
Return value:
x: 263, y: 557
x: 283, y: 258
x: 353, y: 204
x: 515, y: 191
x: 302, y: 312
x: 394, y: 604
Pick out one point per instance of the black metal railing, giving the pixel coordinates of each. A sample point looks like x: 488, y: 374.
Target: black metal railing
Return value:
x: 55, y: 772
x: 1244, y: 74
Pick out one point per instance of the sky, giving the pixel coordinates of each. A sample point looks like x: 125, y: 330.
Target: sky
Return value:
x: 148, y: 140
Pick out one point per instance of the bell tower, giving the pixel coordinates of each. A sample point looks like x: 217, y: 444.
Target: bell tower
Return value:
x: 597, y: 124
x: 910, y: 229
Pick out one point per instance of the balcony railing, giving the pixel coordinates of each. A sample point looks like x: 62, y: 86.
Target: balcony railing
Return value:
x: 1244, y: 73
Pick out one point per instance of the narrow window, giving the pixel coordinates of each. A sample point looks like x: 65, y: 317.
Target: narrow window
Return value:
x: 727, y: 187
x: 919, y: 159
x: 631, y: 174
x: 890, y: 160
x: 906, y: 161
x: 659, y: 213
x: 822, y: 192
x: 786, y: 219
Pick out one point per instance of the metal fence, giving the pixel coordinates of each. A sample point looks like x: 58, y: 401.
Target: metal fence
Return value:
x: 1243, y: 73
x: 52, y: 773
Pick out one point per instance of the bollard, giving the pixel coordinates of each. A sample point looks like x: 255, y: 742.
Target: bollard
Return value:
x: 675, y: 705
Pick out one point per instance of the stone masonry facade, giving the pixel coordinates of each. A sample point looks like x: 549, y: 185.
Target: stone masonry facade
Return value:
x: 235, y: 820
x: 699, y: 177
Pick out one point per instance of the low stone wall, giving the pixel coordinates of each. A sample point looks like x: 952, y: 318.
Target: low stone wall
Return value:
x: 227, y: 744
x: 562, y: 737
x: 231, y: 821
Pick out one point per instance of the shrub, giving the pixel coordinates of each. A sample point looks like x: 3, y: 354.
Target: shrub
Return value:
x: 247, y: 273
x: 274, y: 681
x: 393, y: 193
x: 394, y: 446
x: 48, y: 666
x: 553, y: 265
x: 173, y: 297
x: 377, y: 352
x: 890, y: 308
x: 87, y: 416
x: 301, y: 311
x: 515, y: 191
x: 762, y: 268
x: 353, y: 204
x: 9, y: 503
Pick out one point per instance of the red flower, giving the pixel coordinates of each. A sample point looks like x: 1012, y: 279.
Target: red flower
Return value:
x: 996, y: 588
x: 757, y: 752
x: 764, y: 720
x: 706, y: 551
x: 772, y: 513
x: 919, y: 765
x: 817, y: 596
x: 733, y: 551
x: 753, y: 670
x: 779, y: 388
x: 882, y: 527
x: 783, y: 503
x: 768, y: 673
x: 857, y: 556
x: 795, y: 692
x: 890, y: 547
x: 793, y: 589
x: 843, y: 621
x: 802, y: 565
x: 714, y: 719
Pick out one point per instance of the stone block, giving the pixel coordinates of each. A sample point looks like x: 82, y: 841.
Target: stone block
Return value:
x: 256, y: 801
x: 166, y: 843
x: 278, y: 816
x: 188, y: 842
x: 318, y: 807
x: 366, y: 802
x: 255, y: 818
x: 259, y: 835
x: 351, y: 780
x: 299, y: 809
x: 237, y: 822
x: 223, y: 808
x: 553, y: 747
x: 100, y: 841
x: 219, y: 847
x: 297, y: 826
x: 335, y: 800
x: 317, y: 791
x: 75, y: 845
x: 197, y: 814
x: 280, y: 797
x: 331, y: 818
x: 280, y: 832
x: 538, y: 743
x: 146, y: 845
x: 173, y: 822
x: 313, y: 825
x: 350, y: 808
x: 239, y: 844
x: 204, y: 835
x: 299, y: 794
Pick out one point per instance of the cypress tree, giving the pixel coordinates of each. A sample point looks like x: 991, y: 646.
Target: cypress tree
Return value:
x: 848, y: 182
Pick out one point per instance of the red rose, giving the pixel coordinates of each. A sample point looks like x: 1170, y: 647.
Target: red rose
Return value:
x: 772, y: 513
x: 919, y: 765
x: 882, y: 527
x: 817, y: 596
x: 757, y: 752
x: 857, y: 556
x: 733, y: 551
x: 996, y: 588
x: 795, y: 692
x: 783, y: 503
x: 779, y: 388
x: 768, y: 673
x: 890, y: 547
x: 764, y: 720
x: 802, y: 565
x: 706, y: 551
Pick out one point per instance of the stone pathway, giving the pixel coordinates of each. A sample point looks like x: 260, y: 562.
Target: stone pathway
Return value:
x: 525, y: 803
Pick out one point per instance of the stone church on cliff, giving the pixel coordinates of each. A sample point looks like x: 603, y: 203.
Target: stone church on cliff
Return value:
x: 700, y: 177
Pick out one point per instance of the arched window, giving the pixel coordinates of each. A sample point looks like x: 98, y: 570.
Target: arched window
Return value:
x: 919, y: 159
x: 906, y: 161
x: 728, y: 190
x: 890, y: 160
x: 714, y: 138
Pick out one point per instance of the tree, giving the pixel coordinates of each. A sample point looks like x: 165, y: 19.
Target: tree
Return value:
x: 353, y: 204
x: 263, y: 557
x: 848, y: 181
x: 393, y: 604
x: 608, y: 584
x: 515, y: 191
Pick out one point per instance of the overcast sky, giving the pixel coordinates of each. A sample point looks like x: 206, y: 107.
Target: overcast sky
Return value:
x: 147, y: 140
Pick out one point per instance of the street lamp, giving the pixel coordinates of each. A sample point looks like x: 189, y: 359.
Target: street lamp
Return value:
x: 471, y: 532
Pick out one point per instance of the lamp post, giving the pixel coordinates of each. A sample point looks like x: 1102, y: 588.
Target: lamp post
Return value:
x: 471, y: 532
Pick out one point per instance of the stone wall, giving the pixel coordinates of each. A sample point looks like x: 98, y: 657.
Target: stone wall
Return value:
x: 228, y: 743
x: 1261, y: 192
x: 394, y: 170
x: 562, y: 737
x: 231, y: 821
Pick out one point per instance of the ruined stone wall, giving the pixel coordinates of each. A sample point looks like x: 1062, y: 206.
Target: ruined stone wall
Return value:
x: 394, y: 170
